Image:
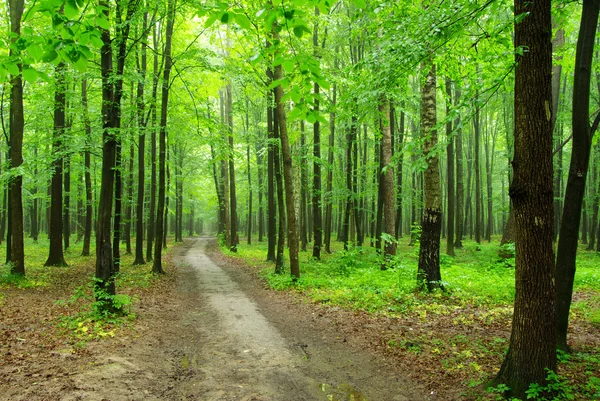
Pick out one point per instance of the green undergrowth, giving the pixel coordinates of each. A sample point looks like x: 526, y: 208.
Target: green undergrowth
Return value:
x: 475, y: 277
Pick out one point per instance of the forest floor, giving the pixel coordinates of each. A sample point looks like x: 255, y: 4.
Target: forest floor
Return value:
x: 209, y: 330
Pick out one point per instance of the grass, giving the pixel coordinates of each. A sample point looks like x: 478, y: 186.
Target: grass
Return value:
x: 479, y: 293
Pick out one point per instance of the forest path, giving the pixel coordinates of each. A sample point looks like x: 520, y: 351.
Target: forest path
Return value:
x: 222, y: 336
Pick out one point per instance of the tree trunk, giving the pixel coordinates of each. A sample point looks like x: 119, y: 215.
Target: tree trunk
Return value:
x: 140, y: 105
x: 292, y: 227
x: 303, y: 190
x: 450, y: 171
x: 160, y: 210
x: 399, y: 201
x: 532, y: 343
x: 271, y: 207
x: 478, y: 196
x: 34, y: 208
x: 55, y: 255
x: 460, y: 187
x: 388, y: 183
x: 428, y: 274
x: 280, y: 199
x: 316, y: 187
x: 129, y: 201
x: 17, y: 123
x: 87, y: 235
x: 574, y: 192
x: 67, y: 199
x: 330, y: 161
x: 232, y: 190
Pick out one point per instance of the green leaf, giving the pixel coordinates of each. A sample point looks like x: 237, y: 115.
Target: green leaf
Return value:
x: 102, y: 22
x: 296, y: 96
x: 81, y: 63
x: 298, y: 31
x: 35, y: 51
x: 96, y: 41
x: 360, y: 3
x: 210, y: 20
x: 225, y: 17
x: 30, y: 74
x: 13, y: 68
x: 288, y: 66
x: 243, y: 21
x: 50, y: 56
x: 71, y: 10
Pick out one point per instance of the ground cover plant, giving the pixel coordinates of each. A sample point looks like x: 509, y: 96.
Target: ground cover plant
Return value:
x: 455, y: 337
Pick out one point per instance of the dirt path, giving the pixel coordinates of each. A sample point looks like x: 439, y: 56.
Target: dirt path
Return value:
x: 222, y: 336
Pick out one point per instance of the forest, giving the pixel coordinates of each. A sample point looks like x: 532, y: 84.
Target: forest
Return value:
x: 435, y: 163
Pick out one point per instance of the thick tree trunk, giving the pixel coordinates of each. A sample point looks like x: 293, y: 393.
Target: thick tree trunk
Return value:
x: 428, y: 273
x: 280, y: 197
x: 532, y: 343
x: 17, y: 124
x: 160, y: 210
x: 55, y: 255
x: 574, y: 192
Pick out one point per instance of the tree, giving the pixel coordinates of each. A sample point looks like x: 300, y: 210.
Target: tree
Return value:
x: 428, y: 273
x: 160, y: 210
x: 450, y: 170
x: 580, y: 156
x: 533, y: 338
x: 56, y: 256
x: 17, y: 123
x: 388, y: 182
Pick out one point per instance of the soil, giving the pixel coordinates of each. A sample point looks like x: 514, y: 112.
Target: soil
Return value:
x: 210, y: 330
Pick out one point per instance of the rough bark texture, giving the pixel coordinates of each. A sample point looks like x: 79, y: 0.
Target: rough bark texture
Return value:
x: 17, y: 124
x: 316, y: 187
x: 271, y: 207
x: 56, y: 256
x: 280, y: 198
x: 160, y: 210
x: 574, y: 192
x: 328, y: 192
x: 428, y: 273
x: 478, y: 196
x: 292, y: 227
x: 533, y: 338
x: 389, y: 226
x: 232, y: 191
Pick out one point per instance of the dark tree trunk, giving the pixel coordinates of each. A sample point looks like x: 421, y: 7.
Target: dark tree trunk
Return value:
x: 478, y: 196
x: 330, y: 161
x: 249, y: 220
x: 34, y: 208
x: 67, y: 201
x: 280, y: 196
x: 292, y: 227
x: 574, y: 192
x: 160, y: 210
x: 151, y: 228
x: 400, y: 149
x: 55, y: 254
x: 140, y: 105
x: 428, y: 273
x: 460, y: 187
x: 232, y: 190
x: 532, y: 343
x: 129, y: 201
x: 450, y: 171
x: 303, y: 190
x: 17, y: 124
x: 271, y: 207
x: 316, y: 187
x: 87, y: 235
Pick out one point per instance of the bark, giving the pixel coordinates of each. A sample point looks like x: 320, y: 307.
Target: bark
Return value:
x: 160, y: 210
x: 316, y: 184
x: 460, y: 187
x: 232, y: 190
x: 400, y: 145
x: 34, y: 208
x: 330, y: 161
x: 532, y: 343
x: 428, y: 273
x: 574, y: 192
x: 87, y: 235
x: 450, y: 171
x: 249, y: 220
x: 17, y: 122
x: 271, y: 207
x: 140, y: 105
x: 557, y: 43
x: 129, y: 201
x: 478, y: 195
x: 303, y: 190
x: 280, y: 197
x: 151, y: 228
x: 388, y: 183
x: 67, y: 200
x: 55, y: 254
x: 292, y: 228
